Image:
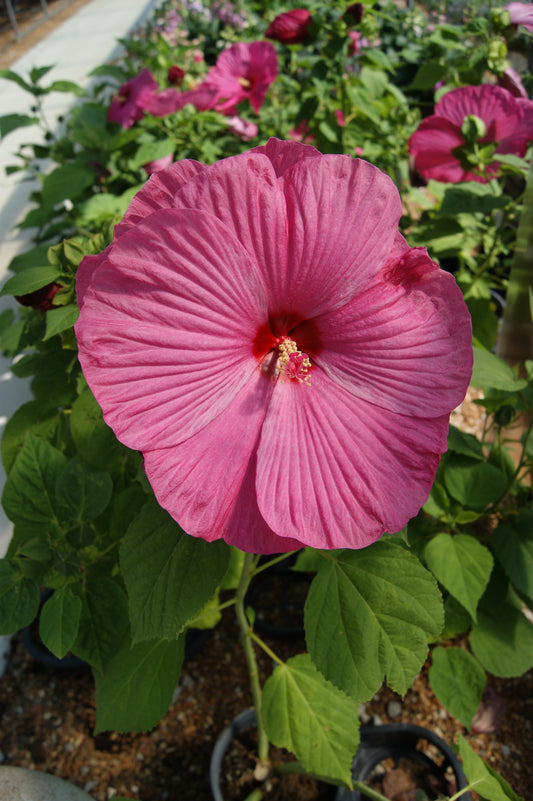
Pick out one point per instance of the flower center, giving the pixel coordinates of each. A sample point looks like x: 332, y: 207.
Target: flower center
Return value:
x: 244, y: 82
x: 292, y: 362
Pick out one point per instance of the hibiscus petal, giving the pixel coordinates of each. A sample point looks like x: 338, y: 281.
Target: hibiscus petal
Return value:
x: 245, y: 194
x: 337, y: 471
x: 432, y: 144
x: 284, y: 155
x: 158, y: 193
x: 166, y: 328
x: 404, y: 343
x: 343, y: 215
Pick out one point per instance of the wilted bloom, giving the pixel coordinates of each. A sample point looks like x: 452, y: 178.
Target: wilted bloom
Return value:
x: 158, y: 164
x: 246, y: 130
x: 175, y: 75
x: 132, y: 100
x: 291, y: 27
x: 284, y: 360
x: 355, y: 12
x: 487, y: 114
x: 521, y: 14
x: 41, y: 299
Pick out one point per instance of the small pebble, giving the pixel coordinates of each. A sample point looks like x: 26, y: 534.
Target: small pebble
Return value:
x: 505, y: 750
x: 364, y: 717
x: 394, y: 709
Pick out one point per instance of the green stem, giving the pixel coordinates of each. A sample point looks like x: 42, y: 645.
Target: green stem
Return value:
x: 251, y: 661
x: 265, y: 648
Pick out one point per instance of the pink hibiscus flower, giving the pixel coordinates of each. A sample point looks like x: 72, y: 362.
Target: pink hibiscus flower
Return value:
x: 133, y: 99
x: 521, y: 14
x: 438, y: 143
x: 242, y: 72
x: 284, y: 360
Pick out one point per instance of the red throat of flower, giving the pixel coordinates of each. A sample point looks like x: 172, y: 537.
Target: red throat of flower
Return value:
x: 284, y: 338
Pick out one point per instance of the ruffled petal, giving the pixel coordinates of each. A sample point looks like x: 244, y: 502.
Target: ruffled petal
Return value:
x: 432, y: 144
x: 343, y: 215
x: 158, y: 193
x: 166, y: 328
x: 284, y: 155
x: 404, y: 343
x: 336, y: 471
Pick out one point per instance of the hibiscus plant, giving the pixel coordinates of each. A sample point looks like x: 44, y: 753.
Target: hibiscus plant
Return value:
x: 253, y: 354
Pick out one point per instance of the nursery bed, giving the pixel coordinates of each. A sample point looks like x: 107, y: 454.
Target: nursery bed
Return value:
x: 47, y: 720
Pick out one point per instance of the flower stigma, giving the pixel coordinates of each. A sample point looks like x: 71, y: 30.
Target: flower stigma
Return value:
x: 292, y: 363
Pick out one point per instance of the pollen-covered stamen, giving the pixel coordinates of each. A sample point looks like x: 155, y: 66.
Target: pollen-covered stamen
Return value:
x: 292, y: 363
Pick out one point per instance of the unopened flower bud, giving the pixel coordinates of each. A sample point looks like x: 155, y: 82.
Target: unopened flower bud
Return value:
x: 473, y: 128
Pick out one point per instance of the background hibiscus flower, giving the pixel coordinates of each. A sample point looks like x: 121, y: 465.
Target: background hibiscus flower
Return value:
x: 284, y: 361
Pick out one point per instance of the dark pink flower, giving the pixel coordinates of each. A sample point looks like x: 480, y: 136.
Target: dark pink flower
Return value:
x: 291, y: 27
x: 284, y: 360
x: 242, y: 128
x: 175, y: 75
x: 511, y: 81
x: 158, y: 164
x: 41, y: 299
x: 521, y: 14
x: 132, y: 99
x: 438, y: 144
x: 355, y: 12
x: 302, y: 133
x: 243, y: 72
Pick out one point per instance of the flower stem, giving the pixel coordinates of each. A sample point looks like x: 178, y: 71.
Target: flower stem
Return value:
x: 251, y: 661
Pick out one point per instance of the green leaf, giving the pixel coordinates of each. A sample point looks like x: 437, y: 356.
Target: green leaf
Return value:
x: 59, y: 621
x: 137, y: 685
x: 103, y: 622
x: 491, y: 372
x: 29, y: 492
x: 513, y: 546
x: 58, y: 320
x: 502, y: 640
x: 369, y: 614
x: 10, y: 122
x: 67, y: 181
x: 19, y: 599
x: 153, y: 150
x: 428, y: 74
x: 462, y: 565
x: 66, y: 86
x: 93, y: 438
x: 29, y: 280
x: 463, y: 443
x: 458, y: 680
x: 474, y: 484
x: 304, y: 713
x: 470, y: 198
x: 83, y: 492
x: 28, y: 417
x: 169, y: 576
x: 484, y: 780
x: 9, y: 75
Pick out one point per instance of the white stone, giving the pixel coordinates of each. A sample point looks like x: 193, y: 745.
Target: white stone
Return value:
x: 22, y: 784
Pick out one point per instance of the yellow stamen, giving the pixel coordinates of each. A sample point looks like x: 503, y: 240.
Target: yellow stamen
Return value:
x: 292, y: 363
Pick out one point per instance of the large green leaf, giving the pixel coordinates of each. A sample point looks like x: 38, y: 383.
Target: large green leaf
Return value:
x: 491, y: 372
x: 93, y: 438
x: 502, y: 640
x: 473, y: 483
x: 306, y: 714
x: 19, y: 599
x: 83, y: 492
x: 59, y: 621
x: 29, y: 280
x: 58, y: 320
x: 462, y: 565
x: 484, y: 780
x: 10, y: 122
x: 136, y: 688
x: 66, y: 181
x: 458, y: 680
x: 513, y: 546
x: 103, y: 622
x: 369, y: 614
x: 28, y: 417
x: 29, y: 493
x: 169, y: 576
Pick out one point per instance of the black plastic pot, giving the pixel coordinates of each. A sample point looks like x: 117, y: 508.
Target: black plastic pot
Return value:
x: 403, y: 744
x: 278, y: 596
x: 395, y: 743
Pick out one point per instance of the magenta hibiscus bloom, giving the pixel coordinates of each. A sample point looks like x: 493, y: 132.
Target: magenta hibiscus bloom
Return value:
x: 133, y: 99
x: 285, y: 362
x: 438, y: 143
x: 521, y: 14
x: 242, y: 72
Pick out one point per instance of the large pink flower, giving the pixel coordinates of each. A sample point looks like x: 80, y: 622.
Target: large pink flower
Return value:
x: 437, y: 142
x: 133, y: 99
x: 243, y: 72
x: 521, y: 14
x: 285, y: 362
